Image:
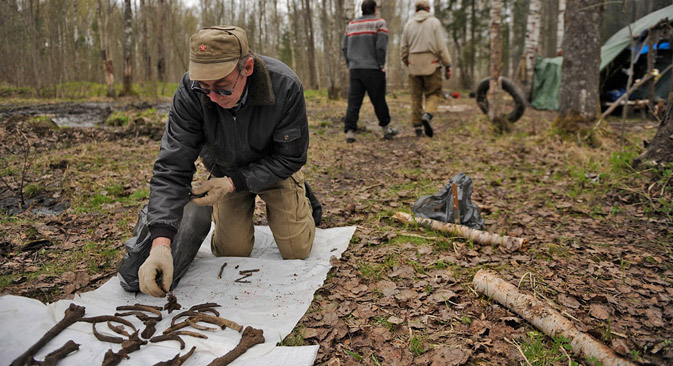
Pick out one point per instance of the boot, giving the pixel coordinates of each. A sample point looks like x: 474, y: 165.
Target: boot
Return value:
x: 427, y: 117
x: 419, y: 131
x: 388, y: 132
x: 350, y: 136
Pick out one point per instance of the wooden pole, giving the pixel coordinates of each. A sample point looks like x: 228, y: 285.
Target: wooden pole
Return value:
x: 506, y: 243
x: 541, y: 316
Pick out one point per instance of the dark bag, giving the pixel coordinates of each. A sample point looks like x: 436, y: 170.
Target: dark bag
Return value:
x: 194, y: 228
x: 440, y: 206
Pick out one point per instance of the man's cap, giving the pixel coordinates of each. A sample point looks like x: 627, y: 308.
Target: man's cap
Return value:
x: 215, y: 51
x: 422, y: 4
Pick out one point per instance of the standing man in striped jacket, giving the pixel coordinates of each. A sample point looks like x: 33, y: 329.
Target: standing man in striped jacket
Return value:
x: 364, y: 47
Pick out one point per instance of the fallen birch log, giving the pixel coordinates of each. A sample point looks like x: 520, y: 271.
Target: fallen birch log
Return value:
x: 541, y: 316
x: 507, y: 243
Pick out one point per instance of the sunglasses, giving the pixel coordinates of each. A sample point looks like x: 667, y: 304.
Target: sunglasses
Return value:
x: 223, y: 92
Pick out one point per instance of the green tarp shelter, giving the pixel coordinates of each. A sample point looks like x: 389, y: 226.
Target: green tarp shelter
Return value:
x: 547, y: 75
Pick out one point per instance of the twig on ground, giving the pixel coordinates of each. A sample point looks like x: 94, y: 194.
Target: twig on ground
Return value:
x: 519, y: 349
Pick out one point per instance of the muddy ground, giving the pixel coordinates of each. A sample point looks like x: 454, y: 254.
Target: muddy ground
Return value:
x: 600, y: 247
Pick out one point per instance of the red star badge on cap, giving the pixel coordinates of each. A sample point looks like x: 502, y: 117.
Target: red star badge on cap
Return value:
x: 202, y: 48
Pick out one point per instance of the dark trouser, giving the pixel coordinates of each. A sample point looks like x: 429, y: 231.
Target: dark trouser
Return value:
x: 194, y: 228
x: 429, y: 86
x: 374, y: 83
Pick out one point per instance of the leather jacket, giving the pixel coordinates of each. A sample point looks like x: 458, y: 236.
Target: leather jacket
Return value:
x: 259, y: 144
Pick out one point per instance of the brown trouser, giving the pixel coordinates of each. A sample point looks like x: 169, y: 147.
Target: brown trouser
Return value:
x: 288, y: 212
x: 429, y: 86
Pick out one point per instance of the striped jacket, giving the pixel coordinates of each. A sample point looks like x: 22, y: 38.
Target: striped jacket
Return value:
x: 365, y: 43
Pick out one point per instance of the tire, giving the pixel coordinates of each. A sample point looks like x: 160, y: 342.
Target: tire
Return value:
x: 511, y: 89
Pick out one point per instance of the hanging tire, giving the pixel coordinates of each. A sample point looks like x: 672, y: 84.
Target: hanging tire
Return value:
x: 511, y: 89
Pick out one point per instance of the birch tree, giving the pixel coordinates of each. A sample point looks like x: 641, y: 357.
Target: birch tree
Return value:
x: 531, y: 44
x: 559, y: 26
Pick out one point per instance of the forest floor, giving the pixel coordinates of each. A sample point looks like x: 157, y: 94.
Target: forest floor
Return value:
x: 600, y: 234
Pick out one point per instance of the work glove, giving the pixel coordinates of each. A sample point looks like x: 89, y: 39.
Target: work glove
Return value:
x: 214, y: 189
x: 159, y: 261
x: 448, y: 72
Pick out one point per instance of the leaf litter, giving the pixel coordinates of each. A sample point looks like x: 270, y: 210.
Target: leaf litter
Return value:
x: 400, y: 294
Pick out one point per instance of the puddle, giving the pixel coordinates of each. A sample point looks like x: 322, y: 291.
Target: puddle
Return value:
x: 78, y: 114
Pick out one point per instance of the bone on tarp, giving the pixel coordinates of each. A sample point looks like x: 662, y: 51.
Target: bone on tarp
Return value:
x: 506, y: 243
x: 242, y: 279
x: 150, y: 329
x: 57, y: 355
x: 118, y: 329
x: 201, y: 317
x: 172, y: 303
x: 105, y: 338
x: 249, y: 338
x: 168, y: 337
x: 222, y: 322
x: 156, y: 310
x: 198, y: 326
x: 177, y: 360
x: 140, y: 315
x: 219, y: 274
x: 130, y: 345
x: 73, y: 314
x: 111, y: 318
x: 112, y: 358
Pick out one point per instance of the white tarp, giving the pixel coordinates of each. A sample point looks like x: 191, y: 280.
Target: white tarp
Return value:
x: 275, y: 300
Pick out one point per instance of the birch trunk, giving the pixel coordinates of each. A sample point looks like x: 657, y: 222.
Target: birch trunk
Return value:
x: 559, y: 26
x: 531, y: 44
x: 541, y: 316
x: 506, y: 243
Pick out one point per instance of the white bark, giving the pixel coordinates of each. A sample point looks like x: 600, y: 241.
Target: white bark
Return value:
x: 544, y: 318
x: 506, y: 243
x: 560, y: 25
x: 532, y: 39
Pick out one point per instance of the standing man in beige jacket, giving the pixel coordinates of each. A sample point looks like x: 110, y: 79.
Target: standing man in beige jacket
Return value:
x: 424, y: 52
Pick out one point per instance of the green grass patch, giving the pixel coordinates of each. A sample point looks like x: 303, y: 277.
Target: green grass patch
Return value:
x: 418, y: 346
x: 543, y: 351
x: 375, y: 271
x: 118, y: 119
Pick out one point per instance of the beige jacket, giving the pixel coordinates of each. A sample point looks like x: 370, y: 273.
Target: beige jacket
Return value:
x: 423, y: 44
